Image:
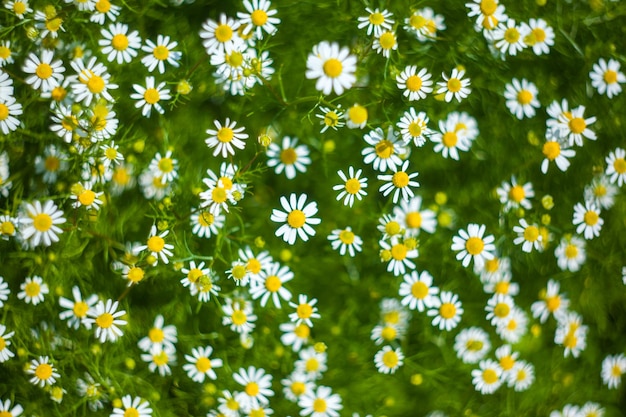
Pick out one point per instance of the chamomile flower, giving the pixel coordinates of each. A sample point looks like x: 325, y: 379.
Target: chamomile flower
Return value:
x: 513, y: 195
x: 387, y: 333
x: 296, y: 385
x: 238, y: 273
x: 8, y: 227
x: 136, y: 406
x: 521, y: 98
x: 289, y: 157
x: 40, y: 223
x: 528, y: 236
x: 413, y: 218
x: 507, y: 359
x: 388, y: 360
x: 587, y: 219
x: 225, y: 137
x: 296, y: 218
x: 217, y: 35
x: 615, y: 166
x: 390, y: 227
x: 51, y: 163
x: 239, y: 315
x: 311, y: 362
x: 353, y: 186
x: 48, y: 22
x: 331, y: 118
x: 356, y: 117
x: 454, y: 86
x: 551, y: 302
x: 569, y: 410
x: 104, y: 10
x: 382, y: 152
x: 385, y: 43
x: 5, y: 353
x: 150, y: 97
x: 450, y: 139
x: 424, y: 24
x: 118, y: 44
x: 46, y: 74
x: 508, y: 37
x: 295, y: 335
x: 159, y: 336
x: 418, y: 291
x: 259, y: 17
x: 6, y: 82
x: 160, y: 358
x: 4, y: 291
x: 321, y: 402
x: 376, y: 21
x: 400, y: 183
x: 590, y: 409
x: 20, y: 8
x: 613, y: 367
x: 9, y: 109
x: 200, y: 364
x: 255, y: 263
x: 498, y: 309
x: 156, y: 246
x: 93, y: 81
x: 43, y: 372
x: 571, y: 334
x: 497, y: 278
x: 471, y: 244
x: 345, y: 240
x: 601, y: 192
x: 84, y: 196
x: 106, y: 320
x: 570, y: 254
x: 165, y: 167
x: 398, y: 252
x: 574, y: 126
x: 554, y: 150
x: 159, y: 53
x: 413, y: 127
x: 488, y: 13
x: 606, y: 77
x: 216, y: 197
x: 472, y: 344
x: 332, y: 67
x: 305, y: 310
x: 540, y: 36
x: 257, y: 386
x: 152, y: 186
x: 76, y: 308
x: 271, y: 284
x: 415, y: 85
x: 446, y: 311
x: 488, y: 377
x: 521, y: 376
x: 9, y: 410
x: 111, y: 154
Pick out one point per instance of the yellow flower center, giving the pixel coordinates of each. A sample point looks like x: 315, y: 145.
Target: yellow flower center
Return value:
x: 516, y: 193
x: 551, y: 150
x: 312, y: 365
x: 415, y: 129
x: 474, y: 345
x: 414, y: 220
x: 302, y: 331
x: 121, y: 176
x: 400, y: 179
x: 353, y: 186
x: 390, y: 359
x: 131, y: 412
x: 488, y: 7
x: 54, y: 24
x: 553, y: 303
x: 449, y: 139
x: 258, y: 17
x: 161, y: 52
x: 331, y: 119
x: 539, y: 34
x: 447, y: 310
x: 156, y: 244
x: 253, y: 265
x: 531, y: 233
x: 219, y: 195
x: 571, y: 251
x: 43, y: 371
x: 391, y: 317
x: 80, y: 309
x: 346, y: 237
x: 333, y: 67
x: 7, y: 228
x: 511, y: 35
x: 507, y: 362
x: 87, y: 197
x: 194, y: 275
x: 619, y: 165
x: 239, y: 317
x: 156, y: 335
x: 357, y: 114
x: 272, y: 283
x: 419, y: 290
x: 502, y: 287
x: 166, y: 165
x: 591, y: 218
x: 524, y: 97
x: 95, y: 84
x: 151, y: 95
x: 304, y: 311
x: 119, y: 42
x: 474, y: 245
x: 19, y: 7
x: 4, y: 112
x: 296, y: 219
x: 58, y: 93
x: 616, y: 371
x: 44, y: 71
x: 454, y: 85
x: 103, y: 6
x: 42, y: 222
x: 288, y: 156
x: 384, y: 149
x: 235, y: 59
x: 417, y: 21
x: 298, y: 388
x: 319, y: 405
x: 32, y: 289
x: 104, y: 320
x: 232, y: 404
x: 203, y: 364
x: 392, y: 228
x: 610, y: 77
x: 577, y: 125
x: 3, y: 345
x: 238, y: 272
x: 501, y: 310
x: 376, y: 18
x: 160, y: 359
x: 387, y: 40
x: 223, y: 33
x: 490, y: 376
x: 205, y: 218
x: 225, y: 134
x: 570, y: 340
x: 399, y: 251
x: 388, y: 333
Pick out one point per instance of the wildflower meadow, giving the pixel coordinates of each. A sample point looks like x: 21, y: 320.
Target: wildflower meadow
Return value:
x: 319, y: 208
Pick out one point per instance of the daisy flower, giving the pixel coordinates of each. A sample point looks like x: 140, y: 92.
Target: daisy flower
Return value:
x: 150, y: 96
x: 259, y: 17
x: 570, y: 254
x: 569, y: 410
x: 5, y: 59
x: 239, y: 315
x: 9, y: 109
x: 508, y: 37
x: 312, y: 362
x: 446, y: 311
x: 255, y: 264
x: 551, y: 302
x: 152, y: 187
x: 418, y: 291
x: 160, y: 358
x: 93, y: 81
x: 415, y: 85
x: 488, y: 377
x: 217, y: 35
x: 257, y: 386
x: 521, y: 376
x: 571, y: 334
x: 46, y: 74
x: 6, y: 82
x: 39, y: 223
x: 8, y: 227
x: 216, y: 197
x: 4, y: 291
x: 320, y: 402
x: 76, y: 309
x: 136, y: 406
x: 472, y: 344
x: 513, y: 195
x: 606, y: 77
x: 225, y: 138
x: 111, y: 154
x: 601, y: 192
x: 413, y: 127
x: 48, y: 22
x: 553, y: 150
x: 471, y: 244
x: 413, y: 218
x: 399, y: 254
x: 450, y: 140
x: 540, y: 36
x: 333, y: 68
x: 104, y: 9
x: 383, y: 152
x: 528, y: 236
x: 393, y: 313
x: 122, y: 178
x: 289, y: 157
x: 5, y: 353
x: 159, y: 336
x: 376, y: 21
x: 14, y: 410
x: 295, y: 335
x: 454, y: 86
x: 590, y: 409
x: 156, y: 246
x: 51, y: 163
x: 200, y: 365
x: 573, y: 126
x: 587, y: 220
x: 159, y: 53
x: 613, y: 367
x: 119, y: 45
x: 498, y: 309
x: 43, y: 373
x: 388, y: 360
x: 353, y: 186
x: 615, y: 166
x: 270, y: 284
x: 230, y: 63
x: 238, y: 273
x: 297, y: 218
x: 84, y: 196
x: 488, y: 13
x: 305, y: 310
x: 385, y: 43
x: 345, y: 240
x: 356, y: 117
x: 106, y: 318
x: 164, y: 167
x: 521, y: 98
x: 20, y: 8
x: 331, y: 118
x: 514, y: 327
x: 387, y: 333
x: 399, y: 182
x: 296, y: 385
x: 424, y: 24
